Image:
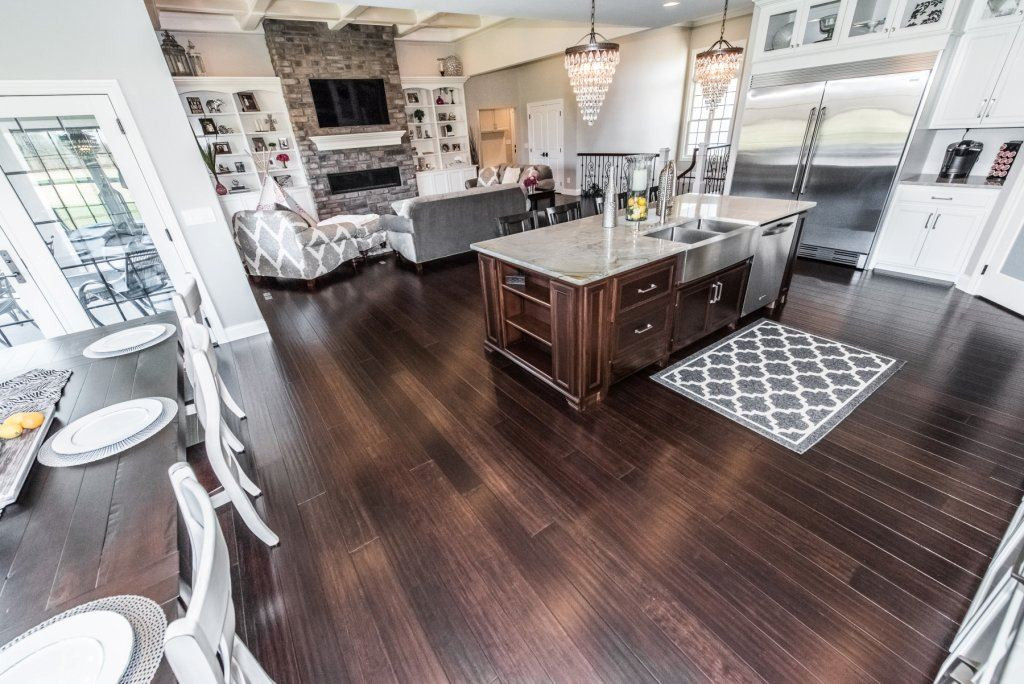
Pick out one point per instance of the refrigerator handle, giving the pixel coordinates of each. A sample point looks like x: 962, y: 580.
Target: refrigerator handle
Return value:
x: 810, y: 148
x: 803, y: 148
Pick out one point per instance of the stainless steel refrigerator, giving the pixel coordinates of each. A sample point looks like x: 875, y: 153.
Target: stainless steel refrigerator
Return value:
x: 832, y: 135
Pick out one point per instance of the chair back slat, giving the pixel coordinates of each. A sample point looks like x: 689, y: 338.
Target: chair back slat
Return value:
x: 516, y: 223
x: 187, y: 301
x: 564, y: 213
x: 199, y: 645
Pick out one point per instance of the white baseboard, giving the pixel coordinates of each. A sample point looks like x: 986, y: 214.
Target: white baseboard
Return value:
x: 243, y: 330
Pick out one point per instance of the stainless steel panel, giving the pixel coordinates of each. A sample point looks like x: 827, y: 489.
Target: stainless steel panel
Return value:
x: 776, y: 126
x: 717, y: 253
x: 922, y: 61
x: 769, y: 265
x: 853, y: 158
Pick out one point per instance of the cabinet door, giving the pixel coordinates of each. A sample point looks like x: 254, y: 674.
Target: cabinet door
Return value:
x: 867, y: 20
x: 691, y: 314
x: 820, y: 25
x: 949, y: 240
x: 993, y: 12
x: 778, y: 28
x: 487, y: 120
x: 1006, y: 108
x: 972, y: 77
x: 903, y: 233
x: 914, y: 17
x: 725, y: 308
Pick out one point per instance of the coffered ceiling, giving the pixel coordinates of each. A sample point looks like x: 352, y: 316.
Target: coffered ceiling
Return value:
x: 430, y: 20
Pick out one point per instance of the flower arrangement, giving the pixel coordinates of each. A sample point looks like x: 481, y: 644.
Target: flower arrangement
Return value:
x: 530, y: 182
x: 284, y: 159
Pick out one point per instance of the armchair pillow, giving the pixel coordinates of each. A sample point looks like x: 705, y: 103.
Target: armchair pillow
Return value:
x: 511, y: 175
x: 489, y: 175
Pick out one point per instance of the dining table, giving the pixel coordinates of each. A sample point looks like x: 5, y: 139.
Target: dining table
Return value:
x: 107, y: 528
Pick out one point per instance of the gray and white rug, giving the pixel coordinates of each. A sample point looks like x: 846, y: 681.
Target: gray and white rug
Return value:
x: 788, y: 385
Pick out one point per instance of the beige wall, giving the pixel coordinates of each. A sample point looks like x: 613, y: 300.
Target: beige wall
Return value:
x: 230, y: 54
x: 420, y: 59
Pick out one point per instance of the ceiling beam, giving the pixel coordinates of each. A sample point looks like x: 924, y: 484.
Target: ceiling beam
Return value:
x: 154, y: 13
x: 346, y: 15
x: 257, y: 9
x: 233, y: 7
x: 441, y: 20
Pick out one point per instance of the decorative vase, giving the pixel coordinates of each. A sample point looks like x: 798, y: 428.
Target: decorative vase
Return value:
x: 440, y: 100
x: 611, y: 213
x: 221, y: 190
x: 638, y: 179
x: 451, y: 66
x: 666, y: 189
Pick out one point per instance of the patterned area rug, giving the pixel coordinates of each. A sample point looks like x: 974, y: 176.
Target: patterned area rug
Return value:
x: 788, y: 385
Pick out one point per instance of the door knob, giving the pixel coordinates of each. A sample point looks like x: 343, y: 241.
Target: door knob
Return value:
x: 13, y: 267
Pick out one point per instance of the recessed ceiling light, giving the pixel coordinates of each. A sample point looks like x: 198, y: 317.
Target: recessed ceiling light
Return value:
x: 671, y: 3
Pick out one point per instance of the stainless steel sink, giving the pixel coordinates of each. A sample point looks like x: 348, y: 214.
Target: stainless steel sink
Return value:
x: 711, y: 247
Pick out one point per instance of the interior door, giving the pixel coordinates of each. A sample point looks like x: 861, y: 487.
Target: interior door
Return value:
x: 1003, y: 283
x: 545, y: 133
x: 777, y: 124
x: 852, y: 159
x: 78, y: 213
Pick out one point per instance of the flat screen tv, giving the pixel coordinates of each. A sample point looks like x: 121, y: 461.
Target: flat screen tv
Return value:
x: 349, y: 102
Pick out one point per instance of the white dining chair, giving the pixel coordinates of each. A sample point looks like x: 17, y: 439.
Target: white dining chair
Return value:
x: 202, y: 647
x: 196, y: 337
x: 188, y: 305
x: 222, y: 459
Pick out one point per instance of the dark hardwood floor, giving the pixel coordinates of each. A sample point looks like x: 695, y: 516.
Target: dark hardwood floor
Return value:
x: 445, y: 517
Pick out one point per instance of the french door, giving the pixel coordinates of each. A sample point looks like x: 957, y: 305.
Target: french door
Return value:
x: 545, y: 132
x: 1003, y: 283
x: 81, y: 245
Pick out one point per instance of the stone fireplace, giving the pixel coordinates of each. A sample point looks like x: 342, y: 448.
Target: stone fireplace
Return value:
x: 301, y: 50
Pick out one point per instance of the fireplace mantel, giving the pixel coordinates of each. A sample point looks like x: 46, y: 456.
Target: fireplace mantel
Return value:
x: 351, y: 141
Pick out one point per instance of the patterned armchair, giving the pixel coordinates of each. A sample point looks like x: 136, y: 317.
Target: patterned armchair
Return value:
x: 280, y: 244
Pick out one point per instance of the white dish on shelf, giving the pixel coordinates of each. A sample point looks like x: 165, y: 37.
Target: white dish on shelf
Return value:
x: 88, y: 648
x: 107, y: 426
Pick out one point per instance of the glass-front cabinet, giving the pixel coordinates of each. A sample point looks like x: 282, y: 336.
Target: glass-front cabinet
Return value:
x: 778, y: 29
x: 820, y: 23
x: 868, y: 18
x: 991, y: 12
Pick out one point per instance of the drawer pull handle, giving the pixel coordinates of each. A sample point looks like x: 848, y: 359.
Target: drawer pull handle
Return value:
x: 948, y: 199
x: 644, y: 290
x: 641, y: 331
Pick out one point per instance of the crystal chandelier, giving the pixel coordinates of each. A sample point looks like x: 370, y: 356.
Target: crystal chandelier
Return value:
x: 591, y: 68
x: 717, y: 66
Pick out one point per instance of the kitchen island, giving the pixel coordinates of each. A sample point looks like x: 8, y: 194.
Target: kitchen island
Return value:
x: 581, y: 307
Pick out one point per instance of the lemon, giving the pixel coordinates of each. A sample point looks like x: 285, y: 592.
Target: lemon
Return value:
x: 31, y: 420
x: 10, y: 430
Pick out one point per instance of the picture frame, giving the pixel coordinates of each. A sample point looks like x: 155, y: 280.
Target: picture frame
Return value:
x: 456, y: 147
x: 283, y: 143
x: 259, y: 144
x: 221, y: 148
x: 248, y: 101
x: 284, y: 180
x: 195, y: 105
x: 239, y: 167
x: 412, y: 98
x: 208, y: 126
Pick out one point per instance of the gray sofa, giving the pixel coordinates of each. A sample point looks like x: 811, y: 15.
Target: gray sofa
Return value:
x: 437, y: 226
x: 545, y: 178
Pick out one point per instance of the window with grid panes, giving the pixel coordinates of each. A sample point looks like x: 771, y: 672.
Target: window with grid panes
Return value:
x: 721, y: 125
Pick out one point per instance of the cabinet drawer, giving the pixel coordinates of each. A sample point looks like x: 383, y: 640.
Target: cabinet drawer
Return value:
x: 946, y: 196
x: 645, y: 325
x: 645, y: 286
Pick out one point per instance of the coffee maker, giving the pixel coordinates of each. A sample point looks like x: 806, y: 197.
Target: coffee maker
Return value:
x: 959, y: 160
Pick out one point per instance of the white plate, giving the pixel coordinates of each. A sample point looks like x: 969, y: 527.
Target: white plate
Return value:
x: 88, y: 648
x: 107, y: 426
x: 126, y: 339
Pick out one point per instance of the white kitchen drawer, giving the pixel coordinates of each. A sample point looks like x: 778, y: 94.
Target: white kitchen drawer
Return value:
x: 947, y: 195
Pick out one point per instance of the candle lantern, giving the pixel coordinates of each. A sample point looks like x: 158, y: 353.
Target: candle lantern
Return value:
x: 639, y: 172
x: 175, y: 56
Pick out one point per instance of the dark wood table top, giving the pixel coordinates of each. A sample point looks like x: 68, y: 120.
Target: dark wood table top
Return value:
x: 110, y: 527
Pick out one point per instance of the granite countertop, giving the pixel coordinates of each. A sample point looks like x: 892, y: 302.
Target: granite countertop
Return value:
x: 933, y: 180
x: 582, y: 252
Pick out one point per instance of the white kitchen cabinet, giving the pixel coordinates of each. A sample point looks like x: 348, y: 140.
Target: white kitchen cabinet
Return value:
x: 930, y: 231
x: 982, y: 88
x: 791, y: 28
x: 995, y: 12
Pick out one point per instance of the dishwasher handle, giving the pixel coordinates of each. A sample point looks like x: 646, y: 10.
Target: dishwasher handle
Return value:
x: 777, y: 229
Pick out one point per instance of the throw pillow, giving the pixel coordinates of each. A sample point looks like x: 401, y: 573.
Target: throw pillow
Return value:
x: 488, y: 176
x: 273, y: 196
x: 511, y: 175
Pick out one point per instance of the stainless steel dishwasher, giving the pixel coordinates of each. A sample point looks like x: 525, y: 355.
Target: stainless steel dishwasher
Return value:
x: 770, y: 257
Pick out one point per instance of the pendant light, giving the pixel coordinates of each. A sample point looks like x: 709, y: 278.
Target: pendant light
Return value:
x: 717, y: 66
x: 591, y: 68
